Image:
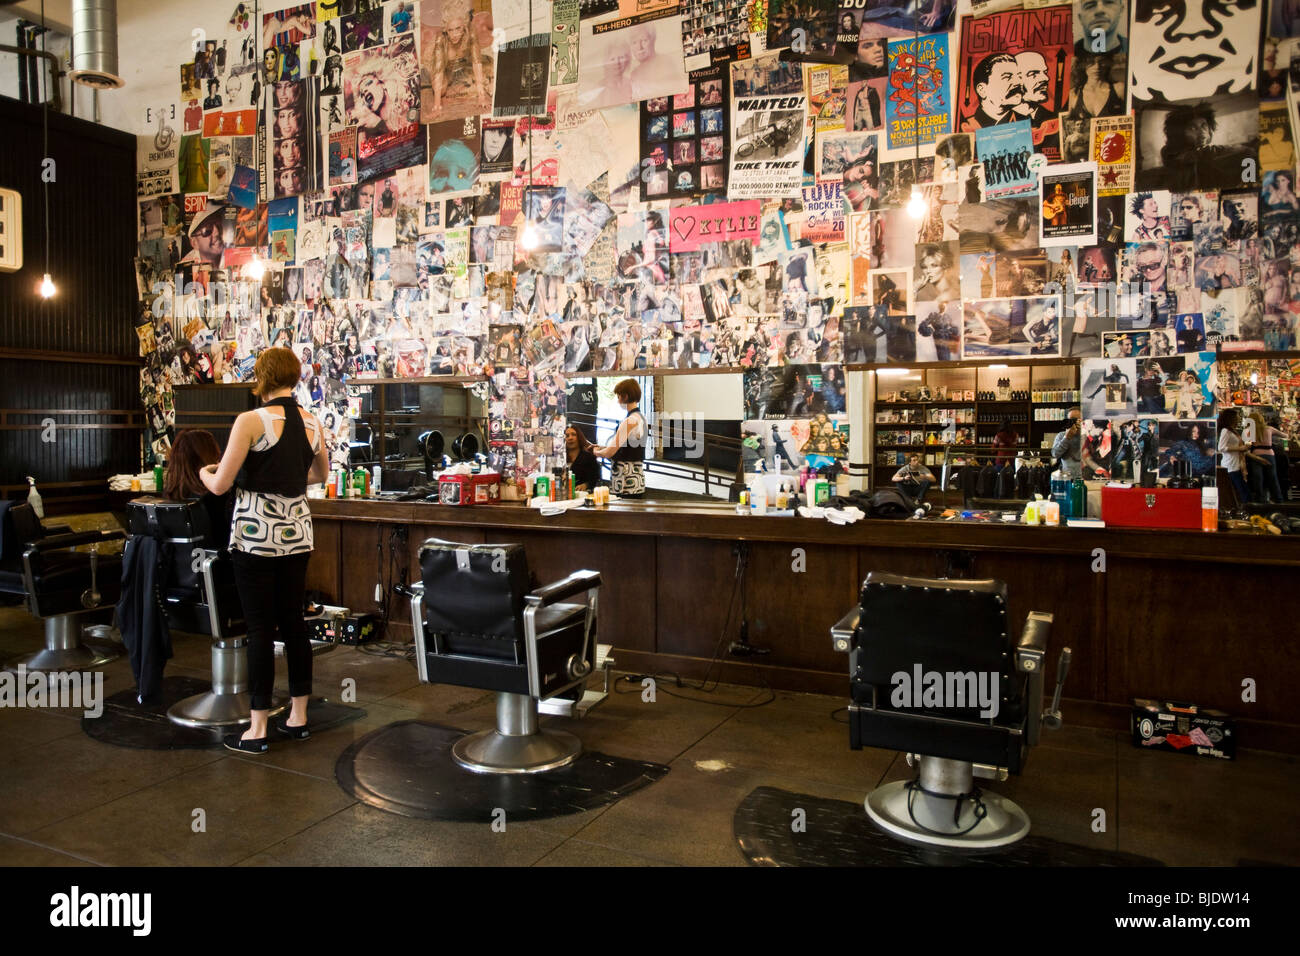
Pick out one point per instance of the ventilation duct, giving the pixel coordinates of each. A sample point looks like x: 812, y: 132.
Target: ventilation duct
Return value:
x: 94, y: 44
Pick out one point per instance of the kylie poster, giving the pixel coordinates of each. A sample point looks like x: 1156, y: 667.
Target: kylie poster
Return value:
x: 918, y: 97
x: 1016, y: 66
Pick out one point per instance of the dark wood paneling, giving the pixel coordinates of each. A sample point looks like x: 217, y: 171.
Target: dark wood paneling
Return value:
x: 628, y: 572
x: 1196, y: 638
x: 92, y: 240
x: 1181, y: 615
x: 323, y: 566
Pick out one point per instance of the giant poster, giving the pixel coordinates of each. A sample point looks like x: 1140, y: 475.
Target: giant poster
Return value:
x: 1016, y: 66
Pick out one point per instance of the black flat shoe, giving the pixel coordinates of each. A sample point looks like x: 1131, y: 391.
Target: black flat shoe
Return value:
x: 255, y: 745
x: 294, y: 733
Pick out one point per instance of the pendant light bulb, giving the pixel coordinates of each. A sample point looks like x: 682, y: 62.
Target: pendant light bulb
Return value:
x: 47, y: 288
x: 529, y: 238
x: 255, y: 268
x: 916, y: 205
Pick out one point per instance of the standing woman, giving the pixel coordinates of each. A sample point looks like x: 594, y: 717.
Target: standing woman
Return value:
x: 626, y: 449
x: 273, y: 452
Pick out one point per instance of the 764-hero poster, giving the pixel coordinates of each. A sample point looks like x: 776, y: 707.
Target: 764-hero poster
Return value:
x: 1016, y: 66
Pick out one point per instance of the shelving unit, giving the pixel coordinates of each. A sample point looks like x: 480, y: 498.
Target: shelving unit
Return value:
x: 903, y: 423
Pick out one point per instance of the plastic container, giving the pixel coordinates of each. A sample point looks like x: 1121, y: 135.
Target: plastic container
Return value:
x: 1209, y: 509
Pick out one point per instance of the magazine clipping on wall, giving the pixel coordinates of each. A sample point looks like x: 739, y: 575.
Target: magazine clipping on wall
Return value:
x: 1068, y: 196
x: 625, y: 59
x: 1015, y: 65
x: 456, y: 61
x: 381, y: 93
x: 685, y: 139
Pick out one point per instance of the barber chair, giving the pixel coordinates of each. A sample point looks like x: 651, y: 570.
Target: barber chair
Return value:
x: 477, y: 624
x: 198, y: 595
x: 908, y: 635
x: 59, y: 585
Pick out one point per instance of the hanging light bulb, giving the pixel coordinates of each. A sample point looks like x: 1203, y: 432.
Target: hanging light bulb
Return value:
x: 916, y: 205
x: 255, y: 268
x: 529, y: 238
x: 46, y: 288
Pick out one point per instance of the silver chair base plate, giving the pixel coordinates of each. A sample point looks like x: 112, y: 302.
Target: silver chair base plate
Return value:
x: 1005, y: 823
x: 79, y: 658
x: 212, y: 710
x: 491, y: 752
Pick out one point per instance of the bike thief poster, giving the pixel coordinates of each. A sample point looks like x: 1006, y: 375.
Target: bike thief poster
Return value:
x: 919, y: 100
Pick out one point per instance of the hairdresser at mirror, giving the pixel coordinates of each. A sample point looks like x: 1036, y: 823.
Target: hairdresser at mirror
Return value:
x: 273, y: 453
x: 626, y: 450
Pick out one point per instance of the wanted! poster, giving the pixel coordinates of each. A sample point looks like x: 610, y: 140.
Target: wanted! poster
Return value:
x: 684, y: 138
x: 381, y: 93
x: 768, y: 152
x: 1016, y: 66
x: 626, y: 59
x: 1068, y: 194
x: 1112, y: 151
x: 918, y: 102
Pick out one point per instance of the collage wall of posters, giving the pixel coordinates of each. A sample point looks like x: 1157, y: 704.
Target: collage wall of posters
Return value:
x: 450, y: 187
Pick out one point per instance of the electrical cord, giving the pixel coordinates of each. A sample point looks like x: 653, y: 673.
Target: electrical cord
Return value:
x: 737, y: 588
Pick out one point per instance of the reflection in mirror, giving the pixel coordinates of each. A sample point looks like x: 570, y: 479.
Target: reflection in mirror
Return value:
x: 709, y: 431
x: 413, y: 429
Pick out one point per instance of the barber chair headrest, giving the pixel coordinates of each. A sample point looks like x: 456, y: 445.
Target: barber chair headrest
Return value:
x: 939, y: 623
x: 163, y: 519
x: 474, y: 588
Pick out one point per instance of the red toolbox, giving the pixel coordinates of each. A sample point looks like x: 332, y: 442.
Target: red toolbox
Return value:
x: 481, y: 489
x: 1151, y: 507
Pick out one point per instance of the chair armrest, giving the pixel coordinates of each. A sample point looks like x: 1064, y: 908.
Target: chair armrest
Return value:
x: 842, y: 632
x: 575, y: 584
x: 53, y: 529
x: 59, y: 542
x: 1031, y: 653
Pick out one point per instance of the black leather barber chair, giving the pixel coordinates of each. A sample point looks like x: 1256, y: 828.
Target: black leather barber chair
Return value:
x: 60, y: 586
x: 477, y: 624
x: 937, y: 674
x: 197, y: 595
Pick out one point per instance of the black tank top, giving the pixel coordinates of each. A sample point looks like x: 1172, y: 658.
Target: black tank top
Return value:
x: 634, y: 452
x: 282, y: 468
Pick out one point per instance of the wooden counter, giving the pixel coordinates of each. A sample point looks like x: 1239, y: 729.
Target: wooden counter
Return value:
x: 1182, y: 615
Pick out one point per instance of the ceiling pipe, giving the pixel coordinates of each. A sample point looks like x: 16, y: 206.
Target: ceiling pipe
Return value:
x: 94, y: 44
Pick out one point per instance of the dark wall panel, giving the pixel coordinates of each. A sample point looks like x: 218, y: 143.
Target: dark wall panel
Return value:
x: 92, y: 232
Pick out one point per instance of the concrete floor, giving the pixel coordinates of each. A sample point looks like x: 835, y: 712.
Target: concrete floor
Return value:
x: 68, y: 800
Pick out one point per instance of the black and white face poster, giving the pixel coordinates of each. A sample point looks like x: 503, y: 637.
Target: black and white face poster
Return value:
x: 1068, y: 196
x: 767, y: 151
x: 1188, y: 49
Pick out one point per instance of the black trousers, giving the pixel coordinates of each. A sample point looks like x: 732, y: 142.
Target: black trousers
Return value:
x: 272, y: 592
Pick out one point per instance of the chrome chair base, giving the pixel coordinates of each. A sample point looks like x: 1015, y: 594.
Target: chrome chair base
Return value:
x: 64, y: 649
x: 1003, y: 824
x: 490, y: 751
x: 211, y: 710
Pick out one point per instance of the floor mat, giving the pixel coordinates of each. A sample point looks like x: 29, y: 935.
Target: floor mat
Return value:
x: 407, y: 768
x: 126, y: 723
x: 838, y: 833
